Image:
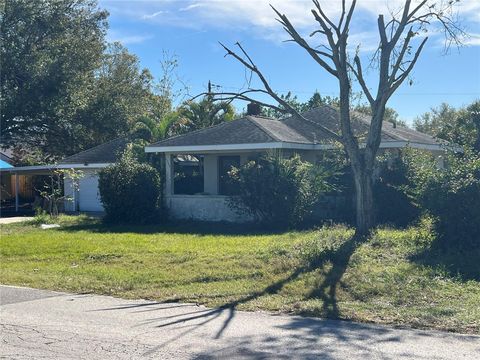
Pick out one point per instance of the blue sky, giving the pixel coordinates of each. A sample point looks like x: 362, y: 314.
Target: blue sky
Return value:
x: 191, y: 30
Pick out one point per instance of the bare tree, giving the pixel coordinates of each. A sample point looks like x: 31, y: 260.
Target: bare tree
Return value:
x: 397, y: 53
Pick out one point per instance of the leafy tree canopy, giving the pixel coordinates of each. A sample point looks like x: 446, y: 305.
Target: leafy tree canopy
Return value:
x: 122, y: 95
x: 63, y: 87
x: 49, y: 49
x: 315, y: 101
x: 460, y: 126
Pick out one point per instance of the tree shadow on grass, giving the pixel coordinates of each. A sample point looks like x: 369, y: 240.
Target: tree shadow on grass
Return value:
x: 327, y: 292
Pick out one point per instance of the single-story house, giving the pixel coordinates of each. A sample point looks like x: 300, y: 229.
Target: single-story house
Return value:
x: 196, y: 163
x: 219, y: 147
x: 89, y: 162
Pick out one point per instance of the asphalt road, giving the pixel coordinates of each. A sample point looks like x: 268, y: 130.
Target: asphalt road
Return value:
x: 39, y: 324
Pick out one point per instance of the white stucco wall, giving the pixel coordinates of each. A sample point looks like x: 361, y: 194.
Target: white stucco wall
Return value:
x: 203, y: 208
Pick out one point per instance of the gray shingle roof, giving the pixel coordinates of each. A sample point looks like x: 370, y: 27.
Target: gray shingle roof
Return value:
x: 247, y: 130
x: 279, y: 130
x: 328, y: 116
x: 102, y: 154
x: 259, y: 129
x: 241, y: 131
x: 407, y: 134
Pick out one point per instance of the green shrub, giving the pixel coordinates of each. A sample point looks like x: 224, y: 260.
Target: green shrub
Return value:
x: 41, y: 217
x: 450, y: 194
x: 278, y: 191
x: 341, y: 196
x: 130, y: 191
x: 392, y: 205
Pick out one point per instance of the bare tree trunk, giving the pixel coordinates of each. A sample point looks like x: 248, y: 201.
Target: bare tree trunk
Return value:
x: 365, y: 219
x: 362, y: 161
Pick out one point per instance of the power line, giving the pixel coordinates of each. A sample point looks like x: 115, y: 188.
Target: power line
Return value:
x: 293, y: 91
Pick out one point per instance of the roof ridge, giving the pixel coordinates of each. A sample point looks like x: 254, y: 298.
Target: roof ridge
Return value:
x: 269, y: 133
x: 92, y: 148
x: 263, y: 117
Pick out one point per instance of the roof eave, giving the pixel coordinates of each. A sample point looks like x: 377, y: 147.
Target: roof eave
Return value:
x: 287, y: 145
x: 419, y: 145
x: 52, y: 167
x: 228, y: 147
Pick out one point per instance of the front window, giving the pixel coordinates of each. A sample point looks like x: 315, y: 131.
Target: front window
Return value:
x: 188, y: 174
x: 226, y: 185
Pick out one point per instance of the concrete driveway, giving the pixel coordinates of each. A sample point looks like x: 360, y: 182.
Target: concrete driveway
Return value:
x: 15, y: 219
x: 39, y: 324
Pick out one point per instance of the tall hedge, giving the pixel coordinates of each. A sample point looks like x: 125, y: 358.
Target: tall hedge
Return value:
x: 130, y: 191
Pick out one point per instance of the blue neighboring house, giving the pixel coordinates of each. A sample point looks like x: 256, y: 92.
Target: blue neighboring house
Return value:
x: 5, y: 161
x: 4, y: 164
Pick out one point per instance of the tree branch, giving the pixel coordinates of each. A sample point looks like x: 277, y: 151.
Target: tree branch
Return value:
x: 405, y: 74
x: 349, y: 18
x: 358, y: 72
x: 231, y: 96
x: 382, y: 31
x: 300, y: 41
x: 400, y: 56
x: 325, y: 17
x: 250, y: 65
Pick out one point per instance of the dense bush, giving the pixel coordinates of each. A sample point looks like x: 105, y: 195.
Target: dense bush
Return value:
x: 278, y: 191
x: 337, y: 204
x: 130, y: 191
x: 450, y: 194
x: 392, y: 205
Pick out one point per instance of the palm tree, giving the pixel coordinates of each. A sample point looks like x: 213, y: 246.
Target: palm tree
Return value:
x: 188, y: 117
x: 204, y: 113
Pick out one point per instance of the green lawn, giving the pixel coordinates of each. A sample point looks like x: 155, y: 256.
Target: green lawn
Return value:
x: 395, y: 277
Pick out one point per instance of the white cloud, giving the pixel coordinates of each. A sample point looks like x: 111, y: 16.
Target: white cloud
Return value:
x: 155, y: 14
x: 473, y: 40
x: 257, y: 18
x: 190, y: 7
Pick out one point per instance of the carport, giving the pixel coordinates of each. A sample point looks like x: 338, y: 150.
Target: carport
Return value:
x: 15, y: 183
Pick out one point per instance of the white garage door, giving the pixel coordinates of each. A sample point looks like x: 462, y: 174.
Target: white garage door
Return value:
x: 88, y: 196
